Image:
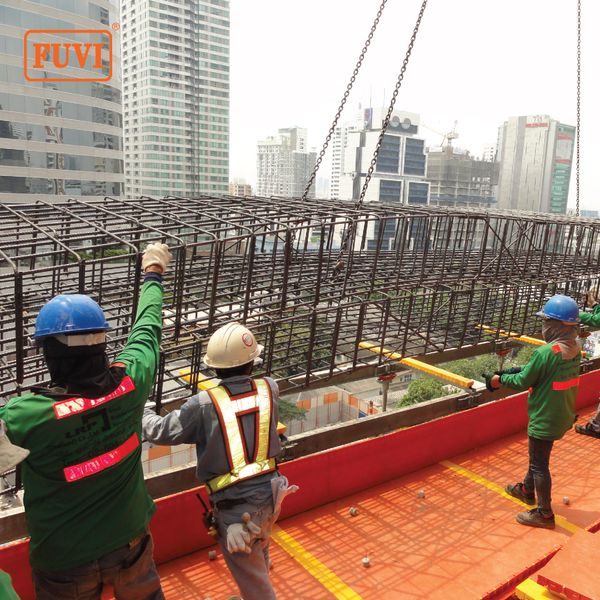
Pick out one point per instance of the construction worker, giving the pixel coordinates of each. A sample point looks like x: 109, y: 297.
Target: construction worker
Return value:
x: 552, y: 373
x: 86, y: 504
x: 592, y: 427
x: 234, y: 427
x: 10, y: 457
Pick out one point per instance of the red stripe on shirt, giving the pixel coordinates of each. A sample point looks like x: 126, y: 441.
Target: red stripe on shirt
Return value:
x: 556, y: 349
x: 98, y: 464
x: 565, y: 385
x: 74, y: 406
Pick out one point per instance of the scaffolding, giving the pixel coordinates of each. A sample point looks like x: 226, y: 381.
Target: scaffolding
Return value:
x: 312, y: 278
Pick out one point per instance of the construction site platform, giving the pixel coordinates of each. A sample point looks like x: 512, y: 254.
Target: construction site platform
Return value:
x: 460, y: 540
x: 433, y: 518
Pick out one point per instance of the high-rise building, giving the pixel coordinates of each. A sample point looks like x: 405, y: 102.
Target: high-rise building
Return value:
x: 535, y: 155
x: 176, y: 96
x: 59, y: 138
x: 488, y: 153
x: 458, y: 179
x: 399, y: 174
x: 284, y: 164
x: 339, y: 141
x: 239, y: 187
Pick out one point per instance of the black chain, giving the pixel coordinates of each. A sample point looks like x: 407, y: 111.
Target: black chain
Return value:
x: 311, y: 179
x: 358, y: 205
x: 578, y: 104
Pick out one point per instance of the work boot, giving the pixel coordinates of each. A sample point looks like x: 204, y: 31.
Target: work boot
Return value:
x: 587, y: 429
x: 518, y: 491
x: 536, y: 518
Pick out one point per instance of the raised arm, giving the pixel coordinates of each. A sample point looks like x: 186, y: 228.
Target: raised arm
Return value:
x: 140, y: 355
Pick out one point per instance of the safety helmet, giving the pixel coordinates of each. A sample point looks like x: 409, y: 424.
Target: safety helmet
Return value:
x: 230, y: 346
x: 69, y: 314
x: 561, y: 308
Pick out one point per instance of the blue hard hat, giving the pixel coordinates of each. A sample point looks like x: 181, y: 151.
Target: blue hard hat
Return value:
x: 70, y: 313
x: 562, y: 308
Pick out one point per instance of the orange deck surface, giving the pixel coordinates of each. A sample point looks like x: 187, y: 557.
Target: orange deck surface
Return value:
x: 460, y: 541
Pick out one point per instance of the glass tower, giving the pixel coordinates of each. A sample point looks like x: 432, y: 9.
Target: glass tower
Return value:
x: 59, y: 138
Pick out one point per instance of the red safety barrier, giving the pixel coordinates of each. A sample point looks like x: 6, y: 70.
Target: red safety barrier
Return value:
x: 327, y: 476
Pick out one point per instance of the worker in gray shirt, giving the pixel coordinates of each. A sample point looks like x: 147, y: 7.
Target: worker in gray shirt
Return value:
x: 234, y: 427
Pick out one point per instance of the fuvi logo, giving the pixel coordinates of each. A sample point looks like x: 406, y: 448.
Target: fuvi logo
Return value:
x: 46, y: 60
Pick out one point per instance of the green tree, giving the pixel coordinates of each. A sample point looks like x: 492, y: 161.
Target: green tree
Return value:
x: 421, y: 390
x: 472, y: 368
x: 290, y: 411
x: 523, y: 355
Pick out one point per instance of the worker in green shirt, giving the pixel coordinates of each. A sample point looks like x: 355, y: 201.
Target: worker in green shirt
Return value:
x: 552, y: 375
x: 86, y: 504
x: 592, y: 427
x: 10, y: 457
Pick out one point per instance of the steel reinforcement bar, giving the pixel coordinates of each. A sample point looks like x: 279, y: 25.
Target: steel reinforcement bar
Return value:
x: 413, y: 279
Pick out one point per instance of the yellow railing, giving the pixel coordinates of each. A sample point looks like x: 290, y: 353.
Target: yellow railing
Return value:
x: 413, y: 363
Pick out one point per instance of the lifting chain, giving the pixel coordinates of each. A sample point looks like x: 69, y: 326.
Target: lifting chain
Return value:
x: 331, y: 131
x: 349, y: 232
x: 578, y: 104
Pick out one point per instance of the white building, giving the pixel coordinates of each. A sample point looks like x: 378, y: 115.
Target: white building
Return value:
x: 339, y: 141
x: 488, y: 153
x: 535, y: 154
x: 176, y: 96
x: 59, y: 138
x: 399, y: 175
x: 284, y: 164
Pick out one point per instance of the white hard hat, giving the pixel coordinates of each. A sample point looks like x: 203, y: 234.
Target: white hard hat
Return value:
x: 230, y: 346
x: 10, y: 455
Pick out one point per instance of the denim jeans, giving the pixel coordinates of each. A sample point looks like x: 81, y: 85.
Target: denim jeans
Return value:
x: 538, y: 476
x: 130, y: 570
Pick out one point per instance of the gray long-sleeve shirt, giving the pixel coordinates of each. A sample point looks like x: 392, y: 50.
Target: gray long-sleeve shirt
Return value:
x: 196, y: 422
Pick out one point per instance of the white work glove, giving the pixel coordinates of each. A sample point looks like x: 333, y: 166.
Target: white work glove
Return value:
x: 156, y: 254
x: 241, y: 535
x: 591, y: 299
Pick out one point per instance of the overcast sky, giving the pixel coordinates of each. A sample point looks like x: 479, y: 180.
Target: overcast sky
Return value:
x: 475, y: 61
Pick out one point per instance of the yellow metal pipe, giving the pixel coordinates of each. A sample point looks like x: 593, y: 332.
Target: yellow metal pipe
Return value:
x: 413, y: 363
x: 515, y: 336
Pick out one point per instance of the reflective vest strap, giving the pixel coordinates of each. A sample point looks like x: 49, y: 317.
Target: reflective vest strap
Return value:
x: 263, y: 429
x: 232, y: 436
x: 559, y: 386
x: 229, y: 410
x: 251, y: 470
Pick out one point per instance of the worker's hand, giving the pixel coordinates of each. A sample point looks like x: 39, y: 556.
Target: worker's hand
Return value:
x: 492, y: 382
x: 590, y: 298
x: 241, y: 535
x: 156, y: 255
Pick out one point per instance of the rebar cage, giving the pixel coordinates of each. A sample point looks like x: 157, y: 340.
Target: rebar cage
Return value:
x: 311, y: 278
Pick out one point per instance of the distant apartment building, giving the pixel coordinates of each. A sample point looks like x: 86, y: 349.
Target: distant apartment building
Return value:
x: 59, y: 139
x: 284, y: 164
x: 458, y: 179
x: 176, y: 96
x: 339, y: 142
x: 535, y: 155
x: 238, y: 187
x: 488, y: 153
x: 399, y: 174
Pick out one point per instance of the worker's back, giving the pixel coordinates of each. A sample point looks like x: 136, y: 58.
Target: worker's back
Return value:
x: 84, y: 486
x: 85, y: 492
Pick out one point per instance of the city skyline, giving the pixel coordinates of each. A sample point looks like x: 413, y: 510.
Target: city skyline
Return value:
x: 479, y: 76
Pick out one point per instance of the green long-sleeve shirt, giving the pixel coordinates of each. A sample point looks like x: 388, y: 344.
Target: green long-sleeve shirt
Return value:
x: 592, y: 318
x: 554, y: 383
x: 84, y: 486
